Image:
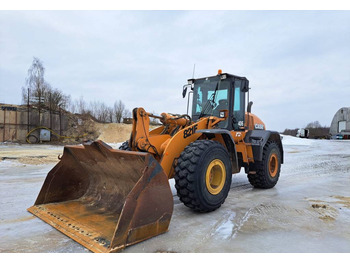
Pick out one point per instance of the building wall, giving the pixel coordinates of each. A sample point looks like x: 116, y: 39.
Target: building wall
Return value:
x: 343, y: 114
x: 15, y: 124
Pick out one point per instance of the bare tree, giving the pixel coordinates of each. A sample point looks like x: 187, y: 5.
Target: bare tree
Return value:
x: 93, y: 108
x: 40, y: 92
x: 119, y: 109
x: 103, y: 112
x: 72, y: 106
x: 81, y: 106
x: 314, y: 124
x: 127, y: 113
x: 25, y: 92
x: 35, y: 79
x: 55, y: 99
x: 36, y: 85
x: 100, y: 111
x: 110, y: 114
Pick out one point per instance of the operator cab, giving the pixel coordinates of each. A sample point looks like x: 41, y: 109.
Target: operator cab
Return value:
x: 216, y: 93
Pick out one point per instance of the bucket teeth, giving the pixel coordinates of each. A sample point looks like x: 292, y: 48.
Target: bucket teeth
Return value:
x: 105, y: 199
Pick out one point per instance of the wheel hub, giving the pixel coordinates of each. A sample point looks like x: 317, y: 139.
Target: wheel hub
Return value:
x: 215, y: 176
x: 273, y: 165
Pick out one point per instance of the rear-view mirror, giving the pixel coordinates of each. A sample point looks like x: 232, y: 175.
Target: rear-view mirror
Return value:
x: 184, y: 91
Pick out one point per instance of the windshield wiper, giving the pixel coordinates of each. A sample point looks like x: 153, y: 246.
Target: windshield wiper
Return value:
x: 210, y: 101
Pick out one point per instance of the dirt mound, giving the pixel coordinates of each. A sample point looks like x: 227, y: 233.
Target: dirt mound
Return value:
x: 80, y: 128
x: 86, y: 128
x: 113, y: 132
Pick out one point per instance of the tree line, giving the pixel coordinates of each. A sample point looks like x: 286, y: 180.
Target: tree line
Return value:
x: 316, y: 130
x: 100, y: 111
x: 39, y: 93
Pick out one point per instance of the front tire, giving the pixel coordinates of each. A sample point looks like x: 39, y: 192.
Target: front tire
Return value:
x: 268, y: 170
x: 125, y: 146
x: 203, y: 175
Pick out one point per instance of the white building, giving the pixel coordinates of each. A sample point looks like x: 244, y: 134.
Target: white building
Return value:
x: 341, y: 123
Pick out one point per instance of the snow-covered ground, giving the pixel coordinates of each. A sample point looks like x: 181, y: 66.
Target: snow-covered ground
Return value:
x: 307, y: 211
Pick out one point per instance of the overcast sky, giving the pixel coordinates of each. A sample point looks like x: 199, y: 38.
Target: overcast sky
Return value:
x: 297, y: 62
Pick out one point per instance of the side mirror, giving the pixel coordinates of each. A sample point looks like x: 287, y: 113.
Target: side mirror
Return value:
x: 184, y: 91
x: 249, y: 107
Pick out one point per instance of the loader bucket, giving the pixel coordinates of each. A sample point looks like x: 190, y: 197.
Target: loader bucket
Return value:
x: 105, y: 199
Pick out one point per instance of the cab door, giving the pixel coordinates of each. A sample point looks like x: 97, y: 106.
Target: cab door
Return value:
x: 238, y: 106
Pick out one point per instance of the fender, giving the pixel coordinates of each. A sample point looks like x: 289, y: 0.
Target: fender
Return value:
x: 259, y: 138
x: 229, y: 142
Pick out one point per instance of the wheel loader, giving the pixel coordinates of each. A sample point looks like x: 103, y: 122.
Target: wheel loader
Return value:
x: 107, y: 199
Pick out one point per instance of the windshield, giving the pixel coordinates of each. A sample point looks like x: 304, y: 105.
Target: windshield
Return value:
x: 210, y: 96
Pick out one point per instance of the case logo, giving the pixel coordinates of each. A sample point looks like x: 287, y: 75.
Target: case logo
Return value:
x: 259, y: 126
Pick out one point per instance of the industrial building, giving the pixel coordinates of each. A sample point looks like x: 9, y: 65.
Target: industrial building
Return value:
x: 340, y: 126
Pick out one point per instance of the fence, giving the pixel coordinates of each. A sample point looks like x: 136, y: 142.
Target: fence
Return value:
x: 17, y: 121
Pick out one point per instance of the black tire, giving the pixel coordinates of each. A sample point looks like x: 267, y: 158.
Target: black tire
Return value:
x: 268, y: 170
x: 33, y: 139
x: 125, y: 146
x: 191, y: 173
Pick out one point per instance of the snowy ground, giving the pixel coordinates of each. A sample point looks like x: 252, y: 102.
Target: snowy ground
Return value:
x: 307, y: 211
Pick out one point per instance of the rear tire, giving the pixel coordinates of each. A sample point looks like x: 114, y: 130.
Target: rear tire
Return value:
x: 203, y: 175
x: 267, y: 170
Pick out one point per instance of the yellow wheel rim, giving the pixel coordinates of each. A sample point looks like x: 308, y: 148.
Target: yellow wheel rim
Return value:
x: 273, y: 165
x: 215, y: 176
